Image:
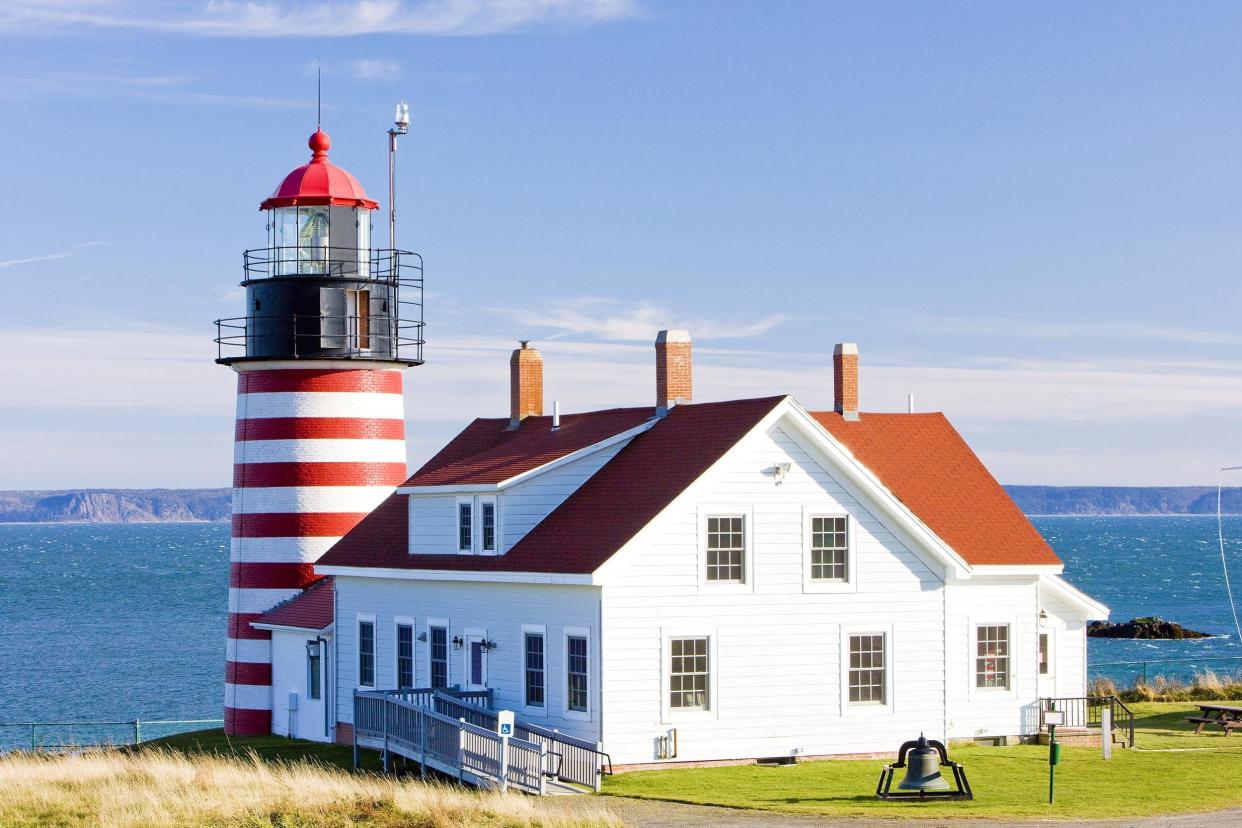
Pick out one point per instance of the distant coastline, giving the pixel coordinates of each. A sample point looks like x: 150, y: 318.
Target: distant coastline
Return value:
x: 213, y: 505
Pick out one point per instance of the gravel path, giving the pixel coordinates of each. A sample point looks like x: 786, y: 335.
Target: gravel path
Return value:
x: 644, y: 813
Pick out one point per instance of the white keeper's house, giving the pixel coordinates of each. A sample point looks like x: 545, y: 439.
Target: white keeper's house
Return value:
x: 694, y: 581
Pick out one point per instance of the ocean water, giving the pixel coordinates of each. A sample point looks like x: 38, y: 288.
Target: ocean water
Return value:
x: 106, y: 622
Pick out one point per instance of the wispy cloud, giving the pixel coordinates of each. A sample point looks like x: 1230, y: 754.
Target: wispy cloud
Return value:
x: 1038, y: 329
x: 616, y: 320
x: 47, y: 257
x: 314, y: 18
x: 157, y: 88
x: 159, y: 411
x: 375, y: 70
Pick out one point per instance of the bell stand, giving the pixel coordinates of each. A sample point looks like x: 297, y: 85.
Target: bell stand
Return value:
x: 959, y: 776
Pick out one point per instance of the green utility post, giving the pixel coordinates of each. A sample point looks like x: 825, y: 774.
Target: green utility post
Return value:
x: 1052, y: 718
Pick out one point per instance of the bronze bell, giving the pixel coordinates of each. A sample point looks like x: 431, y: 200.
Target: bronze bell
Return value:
x: 923, y: 769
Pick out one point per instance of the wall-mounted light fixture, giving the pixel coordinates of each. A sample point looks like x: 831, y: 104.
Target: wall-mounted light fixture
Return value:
x: 457, y: 642
x: 779, y: 470
x: 422, y: 636
x: 1043, y: 618
x: 487, y: 645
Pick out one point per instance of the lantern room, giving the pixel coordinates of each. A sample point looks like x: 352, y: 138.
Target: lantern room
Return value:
x: 318, y: 289
x: 319, y: 218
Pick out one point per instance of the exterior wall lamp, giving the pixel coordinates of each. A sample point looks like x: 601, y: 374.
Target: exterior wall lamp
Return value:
x: 457, y: 642
x: 487, y: 645
x: 1043, y: 618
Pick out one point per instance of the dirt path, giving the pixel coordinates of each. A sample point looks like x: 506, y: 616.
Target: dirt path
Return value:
x: 641, y: 813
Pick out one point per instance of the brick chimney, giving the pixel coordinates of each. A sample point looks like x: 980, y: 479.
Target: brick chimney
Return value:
x: 845, y: 379
x: 674, y: 381
x: 525, y: 384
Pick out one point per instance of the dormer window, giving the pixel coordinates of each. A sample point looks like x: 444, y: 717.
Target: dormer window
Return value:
x: 465, y: 527
x: 489, y: 526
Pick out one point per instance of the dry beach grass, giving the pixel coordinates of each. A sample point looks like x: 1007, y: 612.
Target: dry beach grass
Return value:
x: 1205, y: 686
x: 117, y: 789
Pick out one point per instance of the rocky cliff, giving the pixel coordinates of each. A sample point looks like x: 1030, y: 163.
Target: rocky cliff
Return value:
x: 115, y: 506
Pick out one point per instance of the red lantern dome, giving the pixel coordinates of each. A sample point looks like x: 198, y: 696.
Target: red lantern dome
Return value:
x: 319, y: 182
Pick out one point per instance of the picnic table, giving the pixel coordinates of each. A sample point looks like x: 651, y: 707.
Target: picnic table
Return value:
x: 1229, y: 718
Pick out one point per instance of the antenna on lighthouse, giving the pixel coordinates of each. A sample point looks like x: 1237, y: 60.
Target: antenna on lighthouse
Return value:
x: 401, y: 126
x: 318, y: 95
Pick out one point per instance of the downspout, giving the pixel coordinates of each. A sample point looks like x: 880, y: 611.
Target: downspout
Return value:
x: 327, y: 695
x: 944, y: 626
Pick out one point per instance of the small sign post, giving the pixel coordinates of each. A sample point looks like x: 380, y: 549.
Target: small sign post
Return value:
x: 504, y: 727
x: 1052, y: 718
x: 1106, y: 732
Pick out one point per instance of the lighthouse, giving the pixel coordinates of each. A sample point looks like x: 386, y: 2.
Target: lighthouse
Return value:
x: 329, y: 326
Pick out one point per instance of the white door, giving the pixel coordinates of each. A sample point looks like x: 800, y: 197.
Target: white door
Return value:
x: 476, y: 662
x: 1047, y: 662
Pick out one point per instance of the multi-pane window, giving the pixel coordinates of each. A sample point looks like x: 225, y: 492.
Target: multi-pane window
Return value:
x: 1043, y: 654
x: 465, y: 527
x: 992, y: 656
x: 366, y: 653
x: 576, y: 671
x: 726, y: 549
x: 489, y: 527
x: 405, y: 655
x: 439, y: 656
x: 688, y: 674
x: 314, y: 677
x: 867, y: 668
x: 534, y: 670
x: 829, y: 549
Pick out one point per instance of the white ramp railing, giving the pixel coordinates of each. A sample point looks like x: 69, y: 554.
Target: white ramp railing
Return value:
x: 389, y: 722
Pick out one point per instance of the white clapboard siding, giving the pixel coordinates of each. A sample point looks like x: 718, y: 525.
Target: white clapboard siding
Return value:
x: 498, y: 610
x: 987, y: 712
x: 777, y: 670
x: 289, y: 675
x: 1069, y: 647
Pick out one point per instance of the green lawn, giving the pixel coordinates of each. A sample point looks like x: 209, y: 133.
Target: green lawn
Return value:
x: 1173, y: 771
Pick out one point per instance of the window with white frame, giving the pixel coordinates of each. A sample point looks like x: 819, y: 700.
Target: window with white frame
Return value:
x: 1043, y: 654
x: 992, y: 656
x: 830, y: 549
x: 488, y: 528
x: 868, y: 678
x: 366, y: 653
x: 465, y: 527
x: 726, y: 549
x: 438, y: 650
x: 689, y: 674
x: 405, y: 656
x: 535, y: 680
x: 577, y: 697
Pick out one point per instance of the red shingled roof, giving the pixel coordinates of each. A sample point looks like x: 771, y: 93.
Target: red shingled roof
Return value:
x: 631, y: 490
x: 488, y: 451
x: 311, y: 610
x: 922, y: 460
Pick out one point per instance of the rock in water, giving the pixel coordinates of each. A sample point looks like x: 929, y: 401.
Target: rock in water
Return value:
x: 1150, y: 628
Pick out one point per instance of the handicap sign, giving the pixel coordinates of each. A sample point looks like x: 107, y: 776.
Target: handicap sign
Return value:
x: 504, y: 722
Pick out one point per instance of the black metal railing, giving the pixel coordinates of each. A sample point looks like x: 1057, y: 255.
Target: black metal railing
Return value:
x: 323, y: 335
x: 1087, y: 712
x: 403, y: 267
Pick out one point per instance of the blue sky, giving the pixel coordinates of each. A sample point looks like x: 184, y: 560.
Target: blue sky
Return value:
x: 1025, y: 214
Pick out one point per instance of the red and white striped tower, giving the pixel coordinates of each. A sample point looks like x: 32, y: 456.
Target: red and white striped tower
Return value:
x: 320, y: 434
